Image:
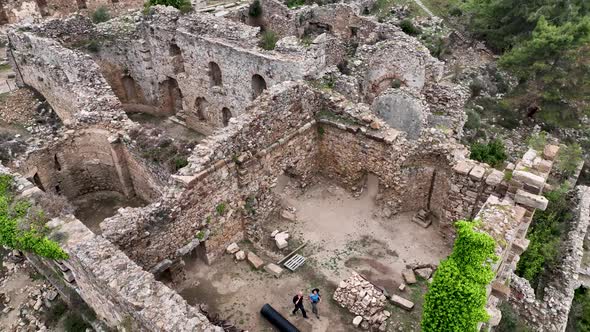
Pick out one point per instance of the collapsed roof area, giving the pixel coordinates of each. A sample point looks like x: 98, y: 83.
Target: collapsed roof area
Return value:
x: 176, y: 128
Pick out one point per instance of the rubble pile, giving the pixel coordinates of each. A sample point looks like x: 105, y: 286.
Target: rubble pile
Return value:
x: 365, y: 300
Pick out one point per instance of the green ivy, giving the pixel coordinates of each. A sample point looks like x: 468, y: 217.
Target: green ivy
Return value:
x: 457, y: 297
x: 15, y: 234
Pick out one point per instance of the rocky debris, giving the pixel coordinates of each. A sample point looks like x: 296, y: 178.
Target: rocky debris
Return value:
x: 273, y: 269
x: 422, y: 218
x: 402, y: 287
x: 281, y: 240
x: 363, y: 299
x: 424, y: 273
x: 409, y: 276
x: 401, y: 302
x: 232, y: 248
x: 255, y: 261
x: 240, y: 255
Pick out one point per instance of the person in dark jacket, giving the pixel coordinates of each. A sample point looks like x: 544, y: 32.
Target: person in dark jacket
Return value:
x: 298, y: 302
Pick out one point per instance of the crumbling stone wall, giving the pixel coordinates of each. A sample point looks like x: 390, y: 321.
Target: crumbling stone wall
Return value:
x: 550, y: 313
x: 215, y: 63
x: 89, y: 161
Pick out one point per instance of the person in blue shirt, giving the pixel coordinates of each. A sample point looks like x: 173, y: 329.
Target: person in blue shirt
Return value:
x: 315, y: 298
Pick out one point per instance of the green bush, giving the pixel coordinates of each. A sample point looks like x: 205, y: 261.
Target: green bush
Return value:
x: 408, y: 27
x: 456, y: 299
x: 476, y: 86
x: 269, y: 40
x: 75, y: 323
x: 295, y: 3
x: 180, y: 162
x: 545, y: 235
x: 473, y: 120
x: 579, y: 317
x: 21, y: 229
x: 568, y: 159
x: 255, y: 9
x: 183, y: 5
x: 510, y: 321
x: 101, y: 15
x: 492, y: 153
x: 220, y: 208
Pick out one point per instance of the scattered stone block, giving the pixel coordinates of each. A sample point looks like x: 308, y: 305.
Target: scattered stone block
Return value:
x: 240, y: 255
x: 402, y: 287
x: 255, y: 261
x: 281, y: 242
x: 51, y: 295
x: 288, y: 215
x: 402, y: 303
x: 531, y: 200
x: 273, y: 269
x: 69, y: 276
x: 550, y: 152
x: 274, y: 233
x: 529, y: 178
x: 232, y: 248
x: 409, y: 276
x: 494, y: 178
x: 425, y: 272
x: 357, y: 321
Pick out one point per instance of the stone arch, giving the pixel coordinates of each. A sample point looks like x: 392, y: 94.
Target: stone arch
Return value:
x: 177, y: 59
x: 201, y: 108
x: 258, y: 85
x: 225, y: 116
x: 171, y: 97
x: 215, y: 77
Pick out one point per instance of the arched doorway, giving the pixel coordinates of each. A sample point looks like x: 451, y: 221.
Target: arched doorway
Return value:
x: 258, y: 85
x: 225, y: 115
x: 215, y: 78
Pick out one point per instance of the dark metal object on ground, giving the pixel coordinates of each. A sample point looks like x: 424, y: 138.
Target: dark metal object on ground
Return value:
x: 276, y: 319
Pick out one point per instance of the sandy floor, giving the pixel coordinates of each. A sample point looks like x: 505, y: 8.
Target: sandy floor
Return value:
x: 16, y: 286
x: 343, y: 235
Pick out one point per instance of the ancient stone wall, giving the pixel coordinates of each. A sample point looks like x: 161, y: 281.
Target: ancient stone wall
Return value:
x: 214, y: 65
x: 89, y: 161
x: 69, y: 80
x: 550, y: 313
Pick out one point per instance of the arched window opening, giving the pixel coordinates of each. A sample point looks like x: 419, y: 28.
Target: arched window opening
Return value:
x: 226, y: 115
x: 201, y: 108
x: 214, y: 74
x: 258, y: 85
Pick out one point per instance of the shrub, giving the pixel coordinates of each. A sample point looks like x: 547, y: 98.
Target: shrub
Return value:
x: 408, y: 27
x: 220, y: 208
x: 255, y: 9
x: 457, y: 297
x: 183, y: 5
x: 396, y: 83
x: 180, y: 162
x: 476, y: 86
x: 269, y: 40
x: 473, y: 120
x: 295, y: 3
x: 75, y: 323
x: 545, y: 234
x: 492, y: 153
x: 455, y: 11
x: 93, y: 46
x: 23, y: 228
x: 579, y: 318
x: 538, y: 141
x: 101, y: 15
x: 568, y: 159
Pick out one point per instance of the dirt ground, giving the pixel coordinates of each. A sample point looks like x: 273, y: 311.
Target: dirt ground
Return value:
x: 6, y: 84
x: 344, y: 234
x: 92, y: 209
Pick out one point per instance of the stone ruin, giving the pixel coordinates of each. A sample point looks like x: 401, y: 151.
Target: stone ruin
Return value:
x: 361, y: 98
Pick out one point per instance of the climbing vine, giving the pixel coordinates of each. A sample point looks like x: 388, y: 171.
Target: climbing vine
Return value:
x: 22, y: 227
x: 456, y: 298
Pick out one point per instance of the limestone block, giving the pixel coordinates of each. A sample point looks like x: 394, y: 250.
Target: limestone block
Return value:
x: 425, y: 273
x: 477, y: 173
x: 274, y: 233
x: 402, y: 303
x: 529, y: 178
x: 500, y: 290
x: 494, y: 178
x: 495, y: 316
x: 288, y: 215
x: 520, y: 245
x: 255, y: 261
x: 232, y: 248
x: 409, y: 276
x: 69, y: 276
x: 281, y: 243
x: 357, y: 321
x: 550, y: 152
x: 273, y: 269
x: 463, y: 167
x: 531, y: 200
x: 402, y: 287
x: 240, y: 255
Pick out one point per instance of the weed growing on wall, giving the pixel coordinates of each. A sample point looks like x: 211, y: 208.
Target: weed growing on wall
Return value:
x: 22, y: 227
x: 492, y: 153
x: 456, y: 299
x: 269, y: 40
x: 101, y: 15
